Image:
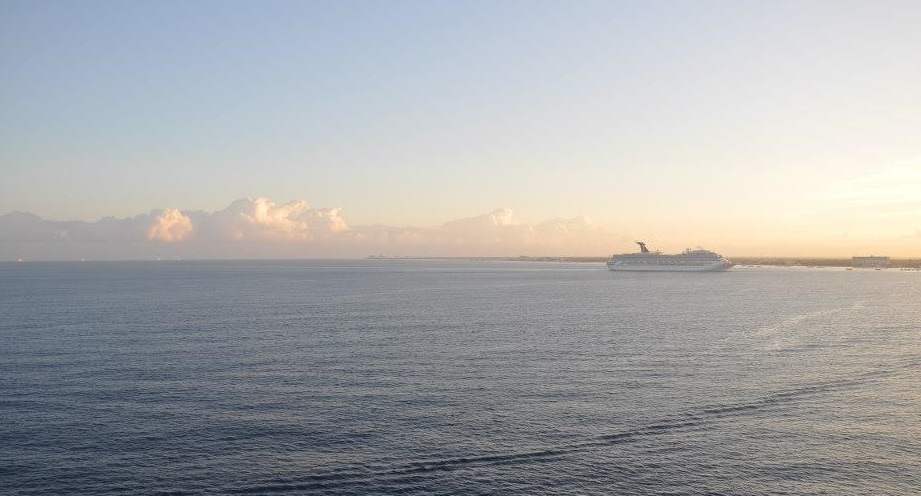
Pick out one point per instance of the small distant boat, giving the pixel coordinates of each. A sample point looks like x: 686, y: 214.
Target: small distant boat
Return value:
x: 691, y: 260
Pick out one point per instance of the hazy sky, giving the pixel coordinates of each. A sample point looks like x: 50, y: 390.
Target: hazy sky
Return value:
x: 751, y: 128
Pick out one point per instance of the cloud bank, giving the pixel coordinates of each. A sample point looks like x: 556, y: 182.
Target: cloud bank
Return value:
x: 260, y: 228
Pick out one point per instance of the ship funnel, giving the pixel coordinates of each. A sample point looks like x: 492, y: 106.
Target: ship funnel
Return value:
x: 643, y: 247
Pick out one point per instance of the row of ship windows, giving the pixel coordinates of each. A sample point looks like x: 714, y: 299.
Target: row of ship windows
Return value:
x: 669, y: 262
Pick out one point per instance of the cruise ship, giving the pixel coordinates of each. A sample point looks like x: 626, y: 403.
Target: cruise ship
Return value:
x: 697, y: 260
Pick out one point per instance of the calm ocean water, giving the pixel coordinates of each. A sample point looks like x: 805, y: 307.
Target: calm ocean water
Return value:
x: 456, y: 377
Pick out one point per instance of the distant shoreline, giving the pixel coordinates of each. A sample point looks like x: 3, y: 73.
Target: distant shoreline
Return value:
x: 895, y: 263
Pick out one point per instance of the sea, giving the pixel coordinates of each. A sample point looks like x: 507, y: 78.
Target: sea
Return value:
x: 456, y: 377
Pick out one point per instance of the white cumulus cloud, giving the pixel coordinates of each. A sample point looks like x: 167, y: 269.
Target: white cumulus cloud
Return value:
x: 170, y: 225
x: 261, y: 219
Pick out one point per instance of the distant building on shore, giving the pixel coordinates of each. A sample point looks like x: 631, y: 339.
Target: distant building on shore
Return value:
x: 871, y: 262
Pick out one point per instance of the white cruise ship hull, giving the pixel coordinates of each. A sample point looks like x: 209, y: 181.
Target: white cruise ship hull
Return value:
x: 630, y: 267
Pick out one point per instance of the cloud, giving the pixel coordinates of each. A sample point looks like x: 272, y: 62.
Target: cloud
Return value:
x: 262, y: 220
x: 24, y: 226
x: 496, y: 233
x: 170, y: 225
x: 244, y: 220
x: 495, y: 227
x: 259, y: 227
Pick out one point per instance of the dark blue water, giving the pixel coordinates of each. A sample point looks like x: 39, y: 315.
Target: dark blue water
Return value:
x: 437, y: 377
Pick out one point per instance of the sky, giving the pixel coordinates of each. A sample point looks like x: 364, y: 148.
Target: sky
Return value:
x: 216, y: 129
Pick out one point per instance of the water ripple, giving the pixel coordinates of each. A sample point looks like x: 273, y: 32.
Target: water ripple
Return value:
x: 368, y: 476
